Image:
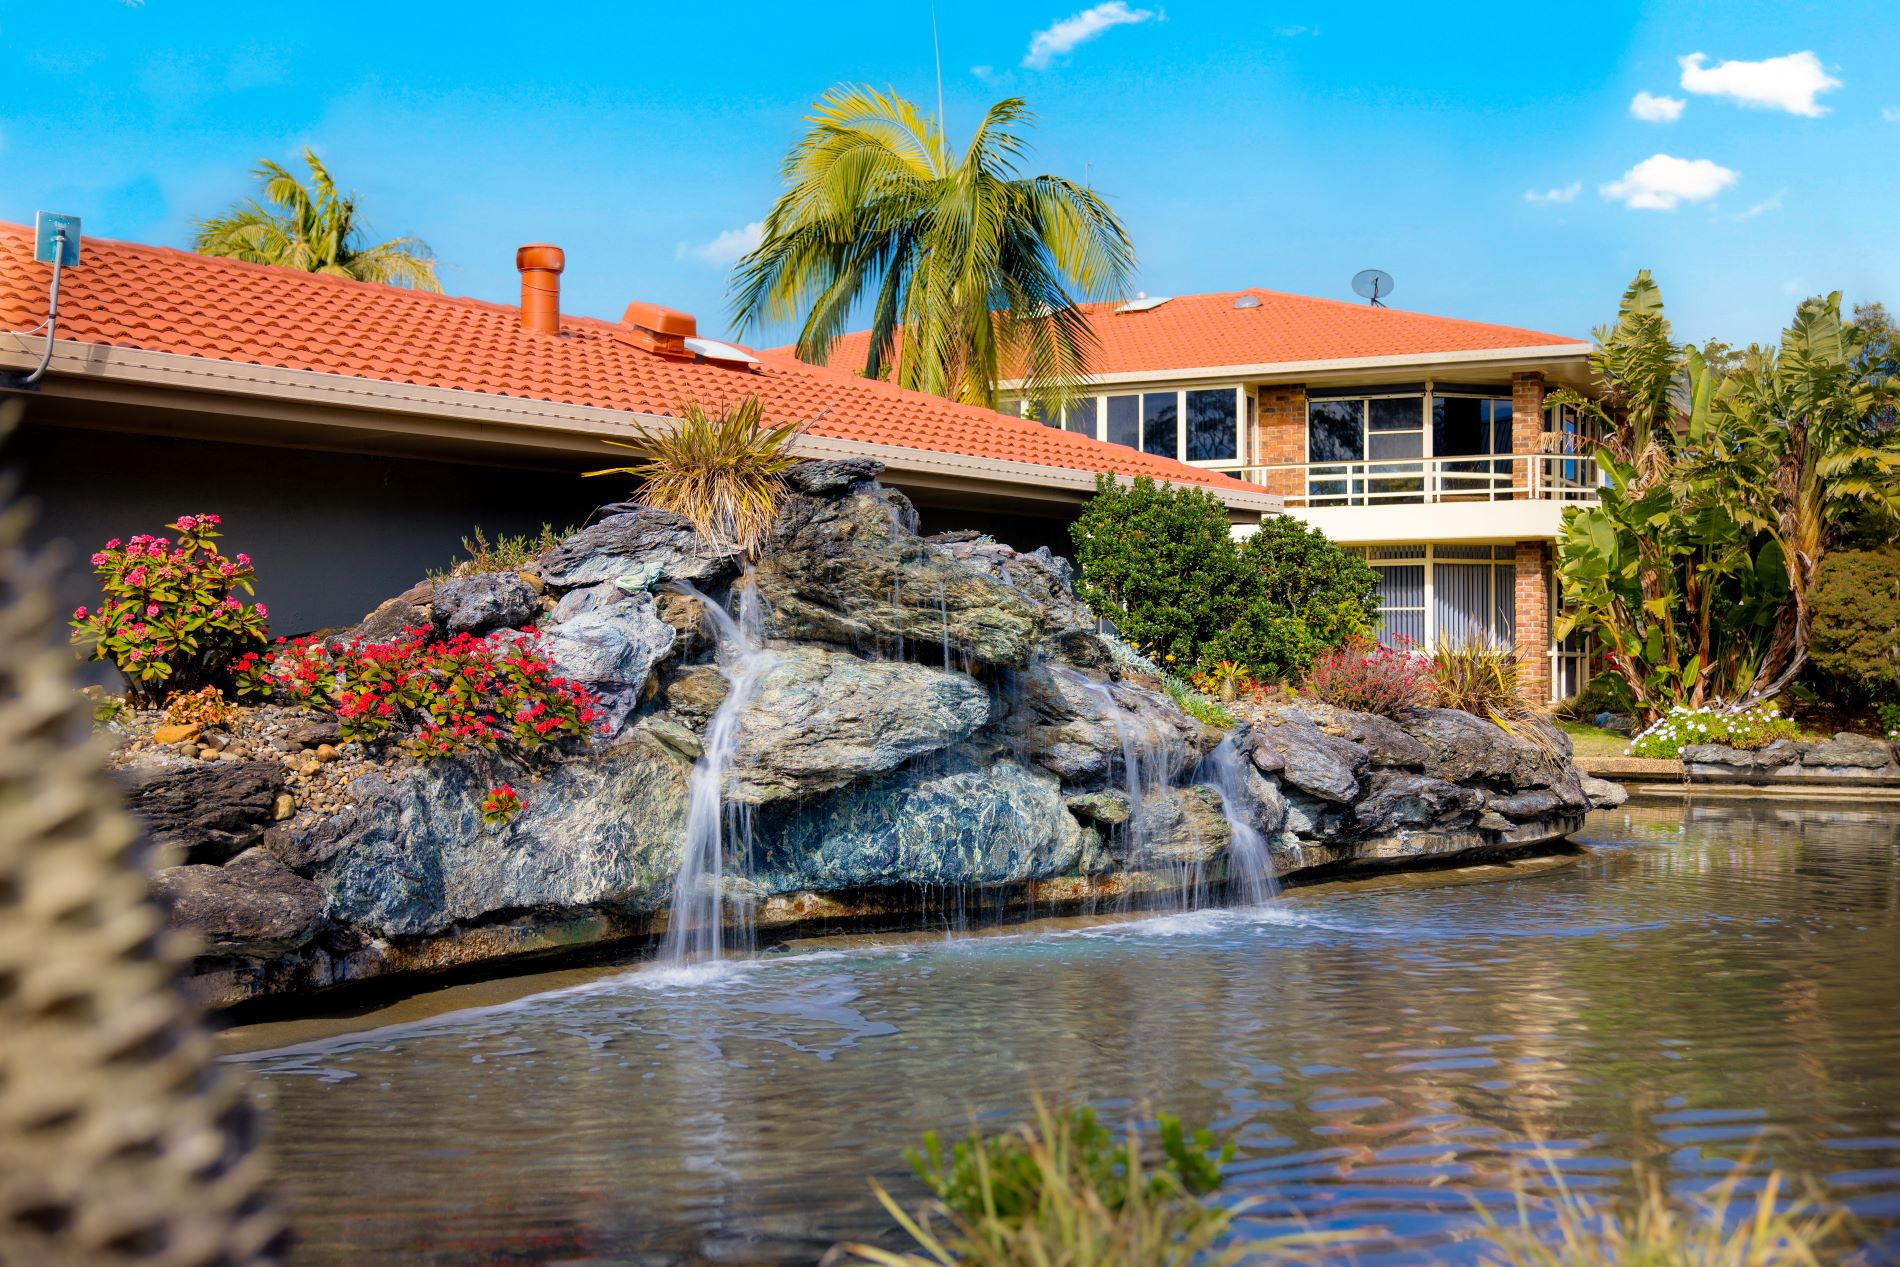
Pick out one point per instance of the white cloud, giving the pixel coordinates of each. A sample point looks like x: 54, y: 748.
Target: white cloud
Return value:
x: 1891, y: 114
x: 1661, y: 181
x: 1788, y: 83
x: 1770, y: 203
x: 1562, y: 193
x: 725, y: 248
x: 1650, y: 108
x: 1079, y: 28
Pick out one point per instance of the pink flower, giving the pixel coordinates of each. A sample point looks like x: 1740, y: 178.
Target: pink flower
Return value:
x: 79, y: 613
x: 186, y: 523
x: 226, y: 569
x: 112, y: 544
x: 244, y: 560
x: 262, y: 610
x: 231, y: 604
x: 135, y: 653
x: 151, y: 609
x: 98, y: 560
x: 135, y: 577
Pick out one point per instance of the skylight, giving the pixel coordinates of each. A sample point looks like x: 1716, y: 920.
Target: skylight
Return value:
x: 1143, y: 303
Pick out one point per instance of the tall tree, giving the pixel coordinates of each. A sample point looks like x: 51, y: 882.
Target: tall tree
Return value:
x: 315, y: 229
x: 969, y: 267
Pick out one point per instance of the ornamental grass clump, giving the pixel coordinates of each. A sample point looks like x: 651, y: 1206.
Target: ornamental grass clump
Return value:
x: 724, y: 472
x: 504, y: 554
x: 434, y: 699
x: 1683, y: 727
x: 169, y: 616
x: 1484, y: 679
x: 1366, y: 677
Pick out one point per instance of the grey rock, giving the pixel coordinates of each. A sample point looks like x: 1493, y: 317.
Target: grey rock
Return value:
x: 837, y: 476
x: 1306, y: 757
x: 818, y: 719
x: 622, y: 543
x: 1460, y: 747
x: 1491, y: 820
x: 600, y: 832
x: 304, y: 845
x: 1179, y: 826
x: 1395, y: 801
x: 970, y: 817
x: 1523, y: 805
x: 210, y: 811
x: 1385, y: 741
x: 316, y: 730
x: 696, y: 692
x: 614, y: 646
x: 253, y: 907
x: 1749, y: 761
x: 854, y: 573
x: 388, y: 622
x: 1105, y: 809
x: 483, y: 603
x: 1041, y: 578
x: 576, y: 602
x: 1083, y: 727
x: 1849, y: 750
x: 1604, y: 794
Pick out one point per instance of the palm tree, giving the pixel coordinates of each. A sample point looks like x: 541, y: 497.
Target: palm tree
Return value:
x: 313, y: 228
x: 968, y: 266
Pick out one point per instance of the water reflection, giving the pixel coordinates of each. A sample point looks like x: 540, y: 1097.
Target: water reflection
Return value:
x: 1709, y: 975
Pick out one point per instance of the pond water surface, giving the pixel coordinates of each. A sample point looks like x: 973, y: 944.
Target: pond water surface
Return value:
x: 1703, y: 981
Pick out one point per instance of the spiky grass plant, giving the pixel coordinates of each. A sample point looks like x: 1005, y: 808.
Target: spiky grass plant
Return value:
x: 1480, y: 677
x: 724, y: 472
x: 118, y: 1142
x: 1059, y: 1190
x: 1723, y: 1227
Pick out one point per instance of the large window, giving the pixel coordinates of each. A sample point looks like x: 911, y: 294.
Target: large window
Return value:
x: 1374, y: 446
x: 1197, y: 425
x: 1445, y: 595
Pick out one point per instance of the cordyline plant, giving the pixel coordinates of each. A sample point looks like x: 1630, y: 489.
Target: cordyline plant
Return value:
x: 169, y: 618
x: 724, y: 472
x: 434, y: 699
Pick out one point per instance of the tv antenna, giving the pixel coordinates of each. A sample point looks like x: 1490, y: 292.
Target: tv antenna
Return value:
x: 1371, y: 283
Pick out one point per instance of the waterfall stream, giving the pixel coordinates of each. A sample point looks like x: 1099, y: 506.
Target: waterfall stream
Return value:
x: 715, y: 830
x: 1250, y: 866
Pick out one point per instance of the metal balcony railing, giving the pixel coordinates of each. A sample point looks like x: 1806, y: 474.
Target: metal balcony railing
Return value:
x: 1559, y: 477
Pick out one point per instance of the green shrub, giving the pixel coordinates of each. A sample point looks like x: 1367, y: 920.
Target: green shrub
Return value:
x: 1162, y: 564
x: 1856, y: 605
x: 1603, y: 693
x: 503, y: 554
x: 1683, y: 727
x: 1190, y: 700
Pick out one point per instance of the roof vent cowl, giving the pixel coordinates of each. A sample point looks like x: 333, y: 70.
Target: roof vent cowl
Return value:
x: 662, y: 331
x: 540, y: 265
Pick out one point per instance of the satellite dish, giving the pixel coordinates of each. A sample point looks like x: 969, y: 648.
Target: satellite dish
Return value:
x: 1371, y: 283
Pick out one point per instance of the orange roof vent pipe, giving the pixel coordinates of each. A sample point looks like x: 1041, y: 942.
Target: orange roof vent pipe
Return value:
x: 662, y: 331
x: 541, y: 266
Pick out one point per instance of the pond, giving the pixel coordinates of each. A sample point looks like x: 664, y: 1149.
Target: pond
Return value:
x: 1701, y: 981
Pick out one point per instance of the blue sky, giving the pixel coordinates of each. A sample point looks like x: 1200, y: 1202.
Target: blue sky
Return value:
x: 1270, y: 145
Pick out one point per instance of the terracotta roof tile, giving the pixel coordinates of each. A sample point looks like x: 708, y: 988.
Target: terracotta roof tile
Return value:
x: 1207, y: 331
x: 163, y: 300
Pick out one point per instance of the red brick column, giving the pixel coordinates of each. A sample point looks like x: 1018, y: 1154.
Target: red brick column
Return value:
x: 1527, y: 427
x: 1282, y: 436
x: 1531, y: 627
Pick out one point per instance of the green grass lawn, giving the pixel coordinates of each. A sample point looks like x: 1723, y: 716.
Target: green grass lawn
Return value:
x: 1593, y: 741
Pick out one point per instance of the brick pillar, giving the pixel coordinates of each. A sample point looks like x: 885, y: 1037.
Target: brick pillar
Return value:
x: 1531, y: 627
x: 1527, y: 427
x: 1282, y: 436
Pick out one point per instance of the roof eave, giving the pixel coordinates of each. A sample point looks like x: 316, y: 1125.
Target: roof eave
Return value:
x: 1502, y: 358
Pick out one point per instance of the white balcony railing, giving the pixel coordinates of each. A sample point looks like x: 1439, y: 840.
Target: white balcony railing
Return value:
x: 1559, y: 477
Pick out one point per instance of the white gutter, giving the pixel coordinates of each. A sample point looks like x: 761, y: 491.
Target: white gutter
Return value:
x: 82, y: 370
x: 1502, y: 357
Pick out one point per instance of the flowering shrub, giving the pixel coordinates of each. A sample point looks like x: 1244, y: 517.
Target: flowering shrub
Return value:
x: 206, y: 707
x: 169, y: 618
x: 438, y: 699
x: 1369, y: 678
x: 1889, y: 715
x: 1682, y: 726
x: 1227, y: 681
x: 501, y: 804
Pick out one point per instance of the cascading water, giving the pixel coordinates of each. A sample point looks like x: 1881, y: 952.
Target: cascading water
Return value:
x: 1145, y: 764
x: 715, y: 830
x: 1250, y: 865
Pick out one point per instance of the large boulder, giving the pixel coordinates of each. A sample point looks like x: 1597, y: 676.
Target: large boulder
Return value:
x: 208, y: 810
x: 971, y: 816
x: 853, y: 572
x: 253, y: 907
x: 1290, y: 746
x: 817, y: 719
x: 1396, y: 801
x: 1853, y: 751
x: 601, y: 832
x: 833, y: 477
x: 1179, y: 827
x: 1042, y: 578
x: 483, y: 603
x: 1460, y: 748
x: 614, y: 647
x: 1086, y: 727
x: 1385, y: 741
x: 626, y: 542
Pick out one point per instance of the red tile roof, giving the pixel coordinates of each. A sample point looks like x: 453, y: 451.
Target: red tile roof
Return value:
x: 1206, y: 331
x: 161, y: 300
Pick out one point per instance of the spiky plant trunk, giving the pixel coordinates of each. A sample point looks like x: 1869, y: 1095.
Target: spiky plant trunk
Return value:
x: 119, y: 1142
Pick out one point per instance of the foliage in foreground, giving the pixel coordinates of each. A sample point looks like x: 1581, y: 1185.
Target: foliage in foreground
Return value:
x: 1857, y: 621
x: 1160, y: 562
x: 1064, y: 1189
x: 314, y: 229
x: 169, y: 618
x: 1749, y: 730
x: 504, y: 554
x: 723, y: 472
x: 1718, y: 1228
x: 435, y: 699
x: 967, y: 267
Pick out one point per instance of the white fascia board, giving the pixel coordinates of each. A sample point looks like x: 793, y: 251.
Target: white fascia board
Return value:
x: 1500, y: 521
